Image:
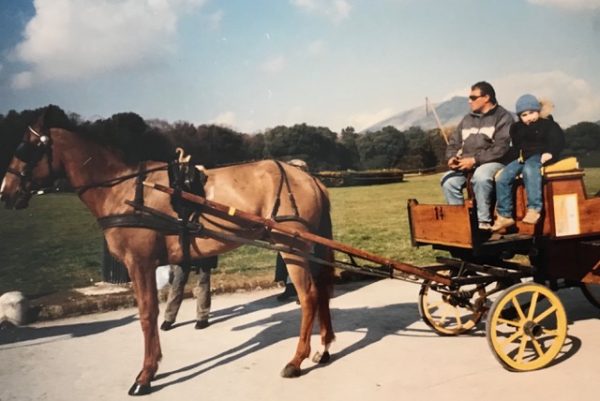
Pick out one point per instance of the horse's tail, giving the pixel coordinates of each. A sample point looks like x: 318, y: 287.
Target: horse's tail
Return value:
x: 324, y: 273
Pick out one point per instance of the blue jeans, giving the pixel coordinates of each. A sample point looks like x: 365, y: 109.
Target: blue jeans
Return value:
x: 482, y: 181
x: 532, y: 178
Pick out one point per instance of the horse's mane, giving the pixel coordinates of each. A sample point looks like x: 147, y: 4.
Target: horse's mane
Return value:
x: 126, y: 134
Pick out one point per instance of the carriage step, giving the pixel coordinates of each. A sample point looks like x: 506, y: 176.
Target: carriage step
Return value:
x: 496, y: 239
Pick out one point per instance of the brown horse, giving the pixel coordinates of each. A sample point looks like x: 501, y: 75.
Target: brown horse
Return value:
x: 105, y: 182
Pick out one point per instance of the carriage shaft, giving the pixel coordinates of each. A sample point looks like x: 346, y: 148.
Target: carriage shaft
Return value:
x: 307, y: 236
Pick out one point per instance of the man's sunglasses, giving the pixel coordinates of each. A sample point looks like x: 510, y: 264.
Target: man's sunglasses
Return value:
x: 473, y: 97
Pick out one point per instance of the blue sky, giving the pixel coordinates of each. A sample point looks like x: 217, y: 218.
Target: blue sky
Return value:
x: 255, y: 64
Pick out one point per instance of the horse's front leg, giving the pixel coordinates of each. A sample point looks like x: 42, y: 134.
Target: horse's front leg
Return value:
x: 307, y: 295
x: 145, y: 292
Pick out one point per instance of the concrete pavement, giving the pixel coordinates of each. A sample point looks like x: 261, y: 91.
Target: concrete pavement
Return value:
x: 383, y: 352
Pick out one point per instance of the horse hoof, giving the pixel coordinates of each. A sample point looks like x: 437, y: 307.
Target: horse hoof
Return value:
x: 290, y: 371
x: 166, y: 325
x: 140, y: 389
x: 321, y: 358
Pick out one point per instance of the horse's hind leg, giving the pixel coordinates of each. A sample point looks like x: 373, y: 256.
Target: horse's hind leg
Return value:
x: 323, y: 276
x: 144, y: 285
x: 307, y: 295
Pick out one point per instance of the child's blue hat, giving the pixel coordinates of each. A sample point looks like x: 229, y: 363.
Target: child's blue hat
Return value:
x: 527, y: 103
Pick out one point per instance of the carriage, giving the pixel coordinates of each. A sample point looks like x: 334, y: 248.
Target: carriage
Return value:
x: 148, y: 221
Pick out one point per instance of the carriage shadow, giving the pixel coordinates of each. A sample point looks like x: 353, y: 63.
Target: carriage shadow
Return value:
x: 40, y: 335
x: 375, y: 323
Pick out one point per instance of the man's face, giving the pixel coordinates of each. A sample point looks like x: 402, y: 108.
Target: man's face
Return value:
x: 529, y: 116
x: 477, y: 101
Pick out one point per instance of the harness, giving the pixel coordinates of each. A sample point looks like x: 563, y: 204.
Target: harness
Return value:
x: 183, y: 177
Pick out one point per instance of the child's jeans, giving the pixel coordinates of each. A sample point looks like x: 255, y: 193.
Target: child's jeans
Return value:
x: 532, y: 178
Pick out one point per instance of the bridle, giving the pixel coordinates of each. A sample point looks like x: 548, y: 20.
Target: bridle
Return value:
x: 31, y: 154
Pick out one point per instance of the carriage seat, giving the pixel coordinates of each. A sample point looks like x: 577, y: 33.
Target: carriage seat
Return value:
x: 566, y: 165
x: 559, y: 168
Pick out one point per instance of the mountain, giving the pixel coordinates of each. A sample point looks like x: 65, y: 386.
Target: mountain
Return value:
x: 450, y: 112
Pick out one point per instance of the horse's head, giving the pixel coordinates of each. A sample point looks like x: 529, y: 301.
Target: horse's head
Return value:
x: 29, y: 170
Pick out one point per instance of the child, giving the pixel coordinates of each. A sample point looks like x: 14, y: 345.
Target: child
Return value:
x: 536, y: 139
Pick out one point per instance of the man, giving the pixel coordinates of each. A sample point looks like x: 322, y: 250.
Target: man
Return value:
x: 179, y: 278
x: 478, y: 146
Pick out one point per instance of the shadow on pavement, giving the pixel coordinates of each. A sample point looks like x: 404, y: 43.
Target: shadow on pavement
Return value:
x: 376, y: 323
x: 15, y: 335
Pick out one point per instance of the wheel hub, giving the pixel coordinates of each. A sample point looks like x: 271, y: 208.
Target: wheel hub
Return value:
x: 532, y: 329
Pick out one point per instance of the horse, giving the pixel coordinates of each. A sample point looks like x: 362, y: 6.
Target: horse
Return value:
x: 105, y: 182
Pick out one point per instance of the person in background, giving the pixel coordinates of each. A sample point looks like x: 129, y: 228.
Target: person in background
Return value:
x: 479, y: 147
x: 203, y: 299
x: 281, y: 275
x: 536, y: 140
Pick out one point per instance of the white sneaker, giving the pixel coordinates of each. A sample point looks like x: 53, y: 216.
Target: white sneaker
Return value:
x: 502, y: 222
x: 531, y: 217
x: 484, y: 226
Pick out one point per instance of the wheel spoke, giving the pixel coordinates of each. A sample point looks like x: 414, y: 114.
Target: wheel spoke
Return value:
x: 534, y: 299
x: 508, y: 322
x: 550, y: 332
x: 458, y: 319
x: 518, y: 308
x: 435, y: 305
x: 443, y: 318
x: 521, y: 352
x: 545, y: 314
x: 537, y: 346
x: 512, y: 338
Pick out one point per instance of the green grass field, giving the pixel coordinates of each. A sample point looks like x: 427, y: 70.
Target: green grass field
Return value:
x: 55, y: 244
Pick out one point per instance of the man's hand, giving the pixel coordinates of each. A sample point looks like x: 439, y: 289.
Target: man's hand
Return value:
x: 453, y: 163
x: 466, y: 163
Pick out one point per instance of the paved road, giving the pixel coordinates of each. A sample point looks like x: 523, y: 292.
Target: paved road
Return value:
x: 383, y: 352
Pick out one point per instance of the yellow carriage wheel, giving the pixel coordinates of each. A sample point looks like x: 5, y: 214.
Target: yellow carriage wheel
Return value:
x: 451, y: 313
x: 526, y: 327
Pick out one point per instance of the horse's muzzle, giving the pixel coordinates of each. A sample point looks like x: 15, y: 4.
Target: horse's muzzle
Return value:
x: 20, y: 200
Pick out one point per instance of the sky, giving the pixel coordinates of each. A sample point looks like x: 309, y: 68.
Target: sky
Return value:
x: 255, y: 64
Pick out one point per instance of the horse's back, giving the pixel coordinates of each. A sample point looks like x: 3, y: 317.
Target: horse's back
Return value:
x: 257, y: 187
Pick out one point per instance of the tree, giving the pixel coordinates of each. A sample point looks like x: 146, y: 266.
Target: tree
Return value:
x: 382, y: 149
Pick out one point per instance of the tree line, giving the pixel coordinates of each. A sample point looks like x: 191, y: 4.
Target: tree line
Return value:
x: 213, y: 145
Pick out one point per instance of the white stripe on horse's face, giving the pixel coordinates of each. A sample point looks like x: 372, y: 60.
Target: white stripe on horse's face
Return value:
x: 3, y: 184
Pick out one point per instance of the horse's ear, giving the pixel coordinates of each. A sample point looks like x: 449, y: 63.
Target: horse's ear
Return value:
x: 39, y: 124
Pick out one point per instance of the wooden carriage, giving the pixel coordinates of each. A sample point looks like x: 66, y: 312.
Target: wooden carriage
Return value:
x: 563, y: 249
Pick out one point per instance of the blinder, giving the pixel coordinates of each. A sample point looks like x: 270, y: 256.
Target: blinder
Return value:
x: 29, y: 152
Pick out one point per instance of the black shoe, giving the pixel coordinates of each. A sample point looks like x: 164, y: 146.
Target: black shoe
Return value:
x: 166, y: 325
x: 290, y: 291
x: 201, y: 324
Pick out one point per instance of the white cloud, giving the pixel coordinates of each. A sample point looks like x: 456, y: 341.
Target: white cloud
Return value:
x: 226, y: 119
x: 574, y: 98
x: 74, y: 39
x: 22, y: 80
x: 570, y: 4
x: 336, y: 10
x: 274, y: 64
x: 365, y: 120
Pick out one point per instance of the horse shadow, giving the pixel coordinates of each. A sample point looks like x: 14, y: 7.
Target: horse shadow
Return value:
x: 375, y: 323
x: 270, y: 302
x: 16, y: 335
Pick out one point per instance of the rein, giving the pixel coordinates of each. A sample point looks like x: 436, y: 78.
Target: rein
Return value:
x: 118, y: 180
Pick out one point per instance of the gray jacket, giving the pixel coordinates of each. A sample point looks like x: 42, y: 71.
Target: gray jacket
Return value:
x: 486, y: 137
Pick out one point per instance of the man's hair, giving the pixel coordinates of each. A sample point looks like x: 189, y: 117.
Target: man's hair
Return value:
x: 486, y: 89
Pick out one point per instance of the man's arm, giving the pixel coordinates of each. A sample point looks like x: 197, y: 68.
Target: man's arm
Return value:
x: 454, y: 142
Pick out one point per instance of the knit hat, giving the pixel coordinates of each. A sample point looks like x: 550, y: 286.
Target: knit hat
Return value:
x: 527, y: 103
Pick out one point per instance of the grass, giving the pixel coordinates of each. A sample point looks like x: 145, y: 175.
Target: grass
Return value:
x: 56, y: 244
